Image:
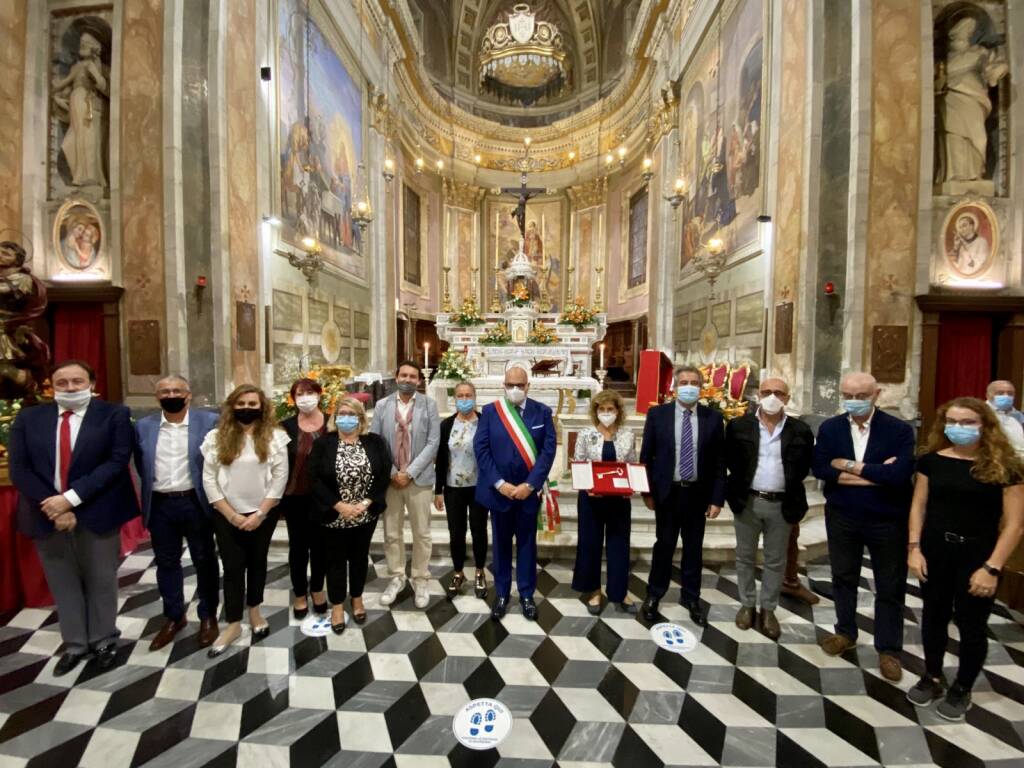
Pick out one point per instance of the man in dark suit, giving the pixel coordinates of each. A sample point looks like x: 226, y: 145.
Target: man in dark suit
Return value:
x: 515, y: 448
x: 866, y: 459
x: 174, y: 506
x: 69, y: 461
x: 768, y: 455
x: 684, y: 450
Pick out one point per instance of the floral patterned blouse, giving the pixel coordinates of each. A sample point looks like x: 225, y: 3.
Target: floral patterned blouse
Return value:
x: 462, y: 460
x: 355, y: 475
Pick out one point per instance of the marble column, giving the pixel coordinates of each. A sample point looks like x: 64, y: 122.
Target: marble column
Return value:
x: 13, y: 21
x: 382, y: 279
x: 665, y: 267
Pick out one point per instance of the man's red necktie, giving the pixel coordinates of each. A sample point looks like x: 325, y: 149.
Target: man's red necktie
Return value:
x: 65, y: 449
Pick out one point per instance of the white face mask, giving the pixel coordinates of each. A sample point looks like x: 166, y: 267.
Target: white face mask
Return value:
x: 72, y: 401
x: 771, y: 405
x: 607, y: 418
x: 516, y: 395
x: 307, y: 403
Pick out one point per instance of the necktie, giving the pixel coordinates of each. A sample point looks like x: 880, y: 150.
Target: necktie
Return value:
x: 64, y: 449
x: 686, y: 449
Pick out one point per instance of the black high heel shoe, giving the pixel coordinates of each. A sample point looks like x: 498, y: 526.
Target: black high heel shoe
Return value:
x: 320, y: 608
x: 300, y: 613
x: 360, y: 617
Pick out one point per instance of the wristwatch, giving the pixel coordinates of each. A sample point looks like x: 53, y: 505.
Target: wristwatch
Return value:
x: 850, y: 465
x: 991, y: 570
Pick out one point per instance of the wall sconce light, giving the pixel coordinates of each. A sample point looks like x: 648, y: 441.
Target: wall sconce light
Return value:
x: 477, y: 159
x: 609, y: 159
x: 572, y: 155
x: 622, y: 156
x: 419, y: 165
x: 677, y: 194
x: 440, y: 166
x: 309, y: 263
x: 389, y: 169
x: 648, y: 172
x: 527, y: 141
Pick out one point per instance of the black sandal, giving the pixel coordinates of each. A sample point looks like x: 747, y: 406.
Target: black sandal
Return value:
x: 338, y: 628
x: 359, y: 618
x: 481, y: 585
x: 454, y: 587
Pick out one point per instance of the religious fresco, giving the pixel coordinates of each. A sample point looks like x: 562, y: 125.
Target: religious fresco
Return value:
x: 464, y: 232
x: 543, y: 246
x: 970, y: 239
x: 318, y: 157
x: 721, y: 132
x: 78, y: 239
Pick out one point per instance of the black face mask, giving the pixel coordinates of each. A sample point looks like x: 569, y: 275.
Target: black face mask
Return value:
x: 172, y: 404
x: 248, y: 415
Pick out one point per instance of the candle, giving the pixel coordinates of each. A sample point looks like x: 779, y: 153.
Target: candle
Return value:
x: 426, y: 354
x: 602, y: 357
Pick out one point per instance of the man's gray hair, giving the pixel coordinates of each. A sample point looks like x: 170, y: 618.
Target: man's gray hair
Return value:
x: 687, y: 369
x: 175, y: 377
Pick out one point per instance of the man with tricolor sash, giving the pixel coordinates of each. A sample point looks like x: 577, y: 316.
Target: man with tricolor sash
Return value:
x: 515, y: 448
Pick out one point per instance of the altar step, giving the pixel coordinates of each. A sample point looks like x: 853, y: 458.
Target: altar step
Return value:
x: 719, y: 535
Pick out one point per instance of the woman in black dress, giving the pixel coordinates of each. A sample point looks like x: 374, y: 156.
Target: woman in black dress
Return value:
x: 350, y: 470
x: 965, y: 521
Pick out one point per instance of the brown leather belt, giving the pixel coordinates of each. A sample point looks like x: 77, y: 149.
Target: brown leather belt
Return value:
x: 767, y: 495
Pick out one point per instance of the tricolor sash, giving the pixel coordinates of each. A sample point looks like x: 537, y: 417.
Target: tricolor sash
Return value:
x: 548, y: 518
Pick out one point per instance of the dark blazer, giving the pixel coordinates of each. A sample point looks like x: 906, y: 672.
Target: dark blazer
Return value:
x: 889, y: 437
x: 323, y: 479
x: 291, y: 426
x: 147, y: 430
x: 98, y: 472
x: 742, y: 441
x: 498, y: 459
x: 658, y: 452
x: 441, y: 462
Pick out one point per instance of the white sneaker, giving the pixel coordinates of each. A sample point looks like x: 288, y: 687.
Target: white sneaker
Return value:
x: 422, y: 598
x: 389, y: 595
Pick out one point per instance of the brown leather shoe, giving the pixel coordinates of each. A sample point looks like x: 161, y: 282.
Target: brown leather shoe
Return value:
x: 801, y: 593
x: 745, y: 618
x: 770, y: 625
x: 167, y: 633
x: 834, y: 645
x: 890, y: 667
x: 208, y: 632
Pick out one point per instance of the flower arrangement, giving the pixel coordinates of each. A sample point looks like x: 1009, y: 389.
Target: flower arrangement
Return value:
x: 497, y: 335
x: 577, y: 314
x: 454, y: 366
x: 520, y: 295
x: 716, y: 399
x: 542, y: 334
x: 468, y: 315
x: 8, y: 411
x: 331, y: 378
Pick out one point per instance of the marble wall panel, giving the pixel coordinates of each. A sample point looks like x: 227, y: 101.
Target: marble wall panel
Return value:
x: 895, y: 162
x: 13, y: 19
x: 141, y: 150
x: 243, y: 220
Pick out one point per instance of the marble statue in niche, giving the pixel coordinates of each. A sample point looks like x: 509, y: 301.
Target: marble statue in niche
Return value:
x: 970, y: 63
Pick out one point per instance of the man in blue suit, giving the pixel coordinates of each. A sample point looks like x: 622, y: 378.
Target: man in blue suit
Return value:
x: 174, y: 506
x: 515, y: 448
x: 69, y: 461
x: 866, y: 458
x: 684, y: 450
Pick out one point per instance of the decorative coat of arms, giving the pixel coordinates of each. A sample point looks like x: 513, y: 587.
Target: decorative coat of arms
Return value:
x: 521, y: 23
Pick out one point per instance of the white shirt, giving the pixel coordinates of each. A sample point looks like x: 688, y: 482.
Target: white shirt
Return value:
x: 1012, y: 429
x: 860, y: 436
x: 682, y: 412
x: 404, y: 408
x: 769, y: 475
x: 171, y: 469
x: 246, y: 482
x: 75, y: 422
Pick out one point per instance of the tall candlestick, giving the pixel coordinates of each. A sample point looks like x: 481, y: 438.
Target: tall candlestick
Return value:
x: 426, y: 354
x: 602, y: 357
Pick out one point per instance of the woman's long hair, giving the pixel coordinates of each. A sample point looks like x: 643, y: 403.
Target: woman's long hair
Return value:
x: 231, y: 437
x: 996, y: 461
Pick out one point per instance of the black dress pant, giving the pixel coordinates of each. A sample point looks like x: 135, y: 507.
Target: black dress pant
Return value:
x: 682, y: 513
x: 171, y: 519
x: 944, y: 596
x: 305, y: 545
x: 600, y: 520
x: 243, y: 555
x: 348, y: 553
x: 458, y: 504
x: 886, y: 542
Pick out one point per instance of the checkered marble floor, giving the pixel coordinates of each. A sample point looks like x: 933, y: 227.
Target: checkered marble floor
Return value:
x: 584, y: 691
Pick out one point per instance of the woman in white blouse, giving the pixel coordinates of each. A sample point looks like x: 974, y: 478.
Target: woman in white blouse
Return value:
x: 244, y: 474
x: 604, y: 520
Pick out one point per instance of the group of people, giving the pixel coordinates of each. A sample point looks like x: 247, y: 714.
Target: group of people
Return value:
x: 219, y: 482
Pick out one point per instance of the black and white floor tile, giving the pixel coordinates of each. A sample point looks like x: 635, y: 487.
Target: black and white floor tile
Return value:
x: 585, y: 691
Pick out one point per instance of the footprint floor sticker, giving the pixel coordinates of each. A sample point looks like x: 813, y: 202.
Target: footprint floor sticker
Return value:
x: 482, y: 724
x: 317, y: 625
x: 674, y: 638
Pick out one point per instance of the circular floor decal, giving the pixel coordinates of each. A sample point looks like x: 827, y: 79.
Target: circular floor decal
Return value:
x: 672, y: 637
x: 482, y: 724
x: 318, y: 625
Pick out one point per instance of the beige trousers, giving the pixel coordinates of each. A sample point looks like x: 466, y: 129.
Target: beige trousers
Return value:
x: 417, y: 501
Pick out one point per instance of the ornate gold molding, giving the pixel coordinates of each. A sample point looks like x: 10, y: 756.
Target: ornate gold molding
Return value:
x: 589, y: 194
x: 664, y: 111
x: 461, y: 194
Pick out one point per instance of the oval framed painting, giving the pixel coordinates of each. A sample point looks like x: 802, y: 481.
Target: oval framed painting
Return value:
x: 78, y: 235
x: 970, y: 239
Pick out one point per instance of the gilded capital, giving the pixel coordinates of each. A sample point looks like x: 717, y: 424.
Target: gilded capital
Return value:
x: 461, y: 194
x: 594, y: 192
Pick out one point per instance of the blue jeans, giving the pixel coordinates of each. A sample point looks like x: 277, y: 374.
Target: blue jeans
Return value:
x: 172, y: 519
x: 886, y: 542
x: 519, y: 522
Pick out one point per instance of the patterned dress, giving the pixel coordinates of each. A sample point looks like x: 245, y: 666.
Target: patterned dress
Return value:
x: 354, y: 474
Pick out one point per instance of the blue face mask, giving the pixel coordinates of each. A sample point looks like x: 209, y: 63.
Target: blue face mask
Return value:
x: 961, y: 435
x: 688, y: 393
x: 347, y: 424
x: 465, y: 406
x: 1003, y: 402
x: 857, y: 407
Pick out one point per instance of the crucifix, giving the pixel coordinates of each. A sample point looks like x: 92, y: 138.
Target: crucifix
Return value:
x: 524, y: 193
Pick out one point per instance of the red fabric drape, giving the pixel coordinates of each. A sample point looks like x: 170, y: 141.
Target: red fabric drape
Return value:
x: 22, y: 583
x: 78, y: 334
x: 965, y: 356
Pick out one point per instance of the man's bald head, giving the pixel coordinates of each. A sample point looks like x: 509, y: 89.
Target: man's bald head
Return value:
x: 856, y: 384
x: 773, y: 383
x: 1000, y: 387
